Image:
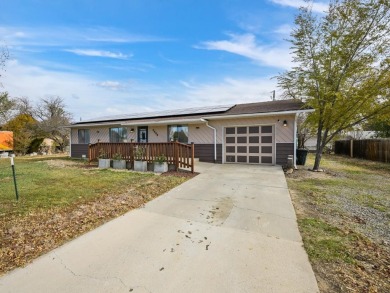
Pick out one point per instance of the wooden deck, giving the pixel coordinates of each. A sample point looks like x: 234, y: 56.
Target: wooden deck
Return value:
x: 178, y: 154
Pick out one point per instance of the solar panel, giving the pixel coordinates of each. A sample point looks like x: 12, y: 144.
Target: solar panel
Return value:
x: 167, y: 113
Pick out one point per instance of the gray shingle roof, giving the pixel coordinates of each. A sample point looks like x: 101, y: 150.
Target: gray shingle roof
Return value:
x: 221, y: 110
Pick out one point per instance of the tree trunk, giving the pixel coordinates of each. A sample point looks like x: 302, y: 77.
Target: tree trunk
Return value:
x: 319, y: 148
x: 318, y: 158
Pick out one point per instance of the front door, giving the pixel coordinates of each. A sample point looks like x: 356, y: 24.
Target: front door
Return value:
x: 142, y: 134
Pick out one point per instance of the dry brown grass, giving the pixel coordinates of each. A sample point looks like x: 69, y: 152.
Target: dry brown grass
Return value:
x: 344, y: 218
x: 62, y: 199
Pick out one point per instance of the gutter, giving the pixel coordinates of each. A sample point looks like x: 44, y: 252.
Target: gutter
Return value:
x: 70, y: 144
x: 215, y: 138
x: 163, y: 122
x: 91, y: 125
x: 295, y: 141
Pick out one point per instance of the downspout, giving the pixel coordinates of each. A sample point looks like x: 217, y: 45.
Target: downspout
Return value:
x: 295, y: 141
x: 215, y: 138
x: 70, y: 143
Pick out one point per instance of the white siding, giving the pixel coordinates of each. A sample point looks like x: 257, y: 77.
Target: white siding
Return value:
x: 202, y: 134
x: 101, y: 134
x: 160, y: 133
x: 282, y: 134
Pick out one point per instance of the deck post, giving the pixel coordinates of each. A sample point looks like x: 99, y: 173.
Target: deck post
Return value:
x: 351, y: 148
x: 176, y: 149
x: 89, y: 153
x: 192, y: 157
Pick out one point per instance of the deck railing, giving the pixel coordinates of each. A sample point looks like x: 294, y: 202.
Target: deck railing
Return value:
x: 179, y: 154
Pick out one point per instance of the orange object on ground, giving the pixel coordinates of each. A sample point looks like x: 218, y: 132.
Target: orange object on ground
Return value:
x: 6, y: 140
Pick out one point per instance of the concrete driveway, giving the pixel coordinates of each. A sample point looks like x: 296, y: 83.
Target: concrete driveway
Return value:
x: 230, y: 229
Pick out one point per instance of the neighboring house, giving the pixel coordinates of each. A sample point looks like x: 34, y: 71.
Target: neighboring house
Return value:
x: 311, y: 143
x: 358, y: 134
x: 255, y: 133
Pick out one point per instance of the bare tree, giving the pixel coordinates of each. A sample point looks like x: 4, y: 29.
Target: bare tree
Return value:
x: 6, y: 106
x: 23, y: 106
x: 52, y: 119
x: 4, y: 56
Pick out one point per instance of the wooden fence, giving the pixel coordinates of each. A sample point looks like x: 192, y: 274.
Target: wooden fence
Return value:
x: 178, y: 154
x: 369, y: 149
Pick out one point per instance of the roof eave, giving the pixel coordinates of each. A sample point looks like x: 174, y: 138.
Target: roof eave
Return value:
x: 164, y: 122
x: 259, y: 114
x: 189, y: 121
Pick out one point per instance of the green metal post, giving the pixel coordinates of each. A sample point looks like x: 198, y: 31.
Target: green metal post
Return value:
x: 14, y: 175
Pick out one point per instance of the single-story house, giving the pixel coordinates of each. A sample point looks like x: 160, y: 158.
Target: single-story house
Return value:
x: 252, y: 133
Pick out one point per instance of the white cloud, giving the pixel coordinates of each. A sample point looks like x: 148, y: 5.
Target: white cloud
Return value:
x: 89, y: 98
x: 246, y: 45
x: 69, y: 36
x: 113, y: 85
x: 284, y: 30
x: 98, y: 53
x: 82, y: 94
x: 229, y: 91
x: 319, y: 7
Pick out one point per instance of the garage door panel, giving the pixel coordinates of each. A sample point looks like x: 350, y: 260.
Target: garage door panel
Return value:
x: 241, y: 149
x: 230, y: 130
x: 250, y: 144
x: 254, y: 159
x: 231, y: 159
x: 241, y: 159
x: 230, y: 140
x: 241, y: 139
x: 266, y: 139
x: 266, y: 160
x: 266, y: 149
x: 230, y: 149
x: 266, y: 129
x: 241, y: 130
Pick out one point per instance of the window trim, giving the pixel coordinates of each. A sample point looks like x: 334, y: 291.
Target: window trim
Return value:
x: 177, y: 126
x: 86, y: 131
x: 121, y: 135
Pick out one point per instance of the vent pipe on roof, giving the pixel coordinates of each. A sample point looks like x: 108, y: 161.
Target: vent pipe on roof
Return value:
x: 215, y: 138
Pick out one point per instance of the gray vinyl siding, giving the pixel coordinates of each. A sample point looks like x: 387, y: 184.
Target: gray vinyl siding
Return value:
x: 282, y: 152
x: 77, y: 150
x: 205, y: 152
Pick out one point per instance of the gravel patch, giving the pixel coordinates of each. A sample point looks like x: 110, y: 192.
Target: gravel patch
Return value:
x: 368, y: 221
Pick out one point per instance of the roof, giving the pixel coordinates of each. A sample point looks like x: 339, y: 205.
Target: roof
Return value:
x: 266, y: 107
x: 167, y: 113
x: 281, y: 106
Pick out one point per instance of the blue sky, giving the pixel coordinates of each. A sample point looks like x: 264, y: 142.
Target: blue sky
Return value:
x: 114, y: 57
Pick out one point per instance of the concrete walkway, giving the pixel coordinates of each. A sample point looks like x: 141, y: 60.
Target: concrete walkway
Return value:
x: 230, y: 229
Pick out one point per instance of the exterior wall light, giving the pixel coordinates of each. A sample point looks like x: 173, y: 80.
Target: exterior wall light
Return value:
x: 285, y: 123
x: 132, y: 130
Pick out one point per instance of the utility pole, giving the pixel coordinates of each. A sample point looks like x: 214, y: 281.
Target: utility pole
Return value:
x: 273, y: 95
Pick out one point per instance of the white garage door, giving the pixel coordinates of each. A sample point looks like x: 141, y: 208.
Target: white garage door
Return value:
x: 250, y: 144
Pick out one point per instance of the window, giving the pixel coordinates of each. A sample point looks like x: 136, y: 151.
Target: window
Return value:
x: 178, y: 133
x: 118, y: 134
x: 83, y: 135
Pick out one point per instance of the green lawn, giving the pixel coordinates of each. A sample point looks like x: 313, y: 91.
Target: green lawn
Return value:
x: 60, y: 199
x: 344, y: 218
x: 52, y: 183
